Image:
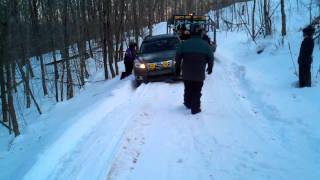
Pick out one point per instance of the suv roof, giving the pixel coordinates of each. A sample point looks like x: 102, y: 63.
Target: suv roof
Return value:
x: 157, y: 37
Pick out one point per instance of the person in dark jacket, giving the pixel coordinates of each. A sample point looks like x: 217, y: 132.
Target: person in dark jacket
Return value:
x: 305, y: 57
x: 193, y: 55
x: 129, y: 57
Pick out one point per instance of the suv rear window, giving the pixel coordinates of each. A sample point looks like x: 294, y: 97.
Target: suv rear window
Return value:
x: 159, y: 45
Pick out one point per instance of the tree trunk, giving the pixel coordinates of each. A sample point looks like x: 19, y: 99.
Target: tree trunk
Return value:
x: 62, y: 82
x: 30, y: 69
x: 14, y: 80
x: 110, y: 38
x: 135, y: 21
x: 12, y: 111
x: 90, y: 49
x: 82, y: 52
x: 69, y: 76
x: 253, y: 20
x: 283, y: 19
x: 217, y: 14
x: 3, y: 95
x: 34, y: 15
x: 43, y: 75
x: 105, y: 59
x: 56, y: 75
x: 104, y: 40
x: 65, y: 50
x: 28, y: 87
x: 267, y: 20
x: 82, y: 41
x: 116, y: 56
x: 25, y: 61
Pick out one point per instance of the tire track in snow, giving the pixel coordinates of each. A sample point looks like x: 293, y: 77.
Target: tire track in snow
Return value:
x: 57, y: 163
x: 227, y: 140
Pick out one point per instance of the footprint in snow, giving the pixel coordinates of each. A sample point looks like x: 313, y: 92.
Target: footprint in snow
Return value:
x: 180, y: 161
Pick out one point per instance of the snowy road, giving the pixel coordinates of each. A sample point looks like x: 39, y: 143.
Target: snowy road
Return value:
x: 228, y: 140
x: 254, y: 125
x: 251, y: 127
x: 148, y: 134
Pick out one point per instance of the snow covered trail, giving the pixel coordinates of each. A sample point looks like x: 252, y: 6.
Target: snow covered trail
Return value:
x: 91, y: 141
x: 148, y: 134
x: 228, y: 140
x: 254, y: 125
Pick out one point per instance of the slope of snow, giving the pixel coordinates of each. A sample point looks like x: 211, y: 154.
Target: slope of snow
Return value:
x: 255, y: 124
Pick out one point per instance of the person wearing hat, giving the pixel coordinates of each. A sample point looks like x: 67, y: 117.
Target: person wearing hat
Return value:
x: 192, y: 57
x: 129, y: 57
x: 305, y: 57
x: 185, y: 34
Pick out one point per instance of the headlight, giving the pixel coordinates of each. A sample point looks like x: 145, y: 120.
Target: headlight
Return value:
x: 139, y: 65
x: 142, y: 66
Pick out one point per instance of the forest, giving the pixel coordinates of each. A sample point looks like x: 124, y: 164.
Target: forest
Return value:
x: 72, y: 31
x: 83, y: 97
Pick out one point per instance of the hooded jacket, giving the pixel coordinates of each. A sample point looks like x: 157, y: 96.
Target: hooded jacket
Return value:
x: 192, y: 56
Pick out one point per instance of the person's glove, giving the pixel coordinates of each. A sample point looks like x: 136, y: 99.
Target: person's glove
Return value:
x: 209, y: 71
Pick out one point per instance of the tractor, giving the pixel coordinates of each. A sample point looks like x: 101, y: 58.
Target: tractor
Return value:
x: 181, y: 24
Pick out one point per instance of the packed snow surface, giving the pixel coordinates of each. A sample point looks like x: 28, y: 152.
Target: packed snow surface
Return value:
x: 255, y: 124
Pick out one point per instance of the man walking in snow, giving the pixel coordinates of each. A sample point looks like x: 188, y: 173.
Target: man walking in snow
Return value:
x: 193, y: 55
x: 305, y: 57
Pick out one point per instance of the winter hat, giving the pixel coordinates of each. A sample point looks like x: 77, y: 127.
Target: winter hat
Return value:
x: 132, y: 45
x: 309, y: 30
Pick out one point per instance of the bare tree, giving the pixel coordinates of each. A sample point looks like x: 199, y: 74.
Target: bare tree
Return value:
x: 253, y: 19
x: 110, y: 35
x: 11, y: 108
x: 4, y: 102
x: 34, y: 16
x: 70, y: 30
x: 266, y: 17
x: 283, y: 19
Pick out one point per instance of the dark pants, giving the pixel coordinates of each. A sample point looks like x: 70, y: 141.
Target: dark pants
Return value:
x: 128, y: 69
x: 129, y: 66
x: 192, y: 94
x: 305, y: 75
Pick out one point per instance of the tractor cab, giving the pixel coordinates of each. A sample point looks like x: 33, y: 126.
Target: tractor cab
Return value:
x: 180, y: 25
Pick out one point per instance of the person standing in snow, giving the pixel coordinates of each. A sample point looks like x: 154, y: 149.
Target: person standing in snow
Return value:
x: 193, y: 55
x: 305, y: 57
x: 129, y: 57
x: 185, y: 34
